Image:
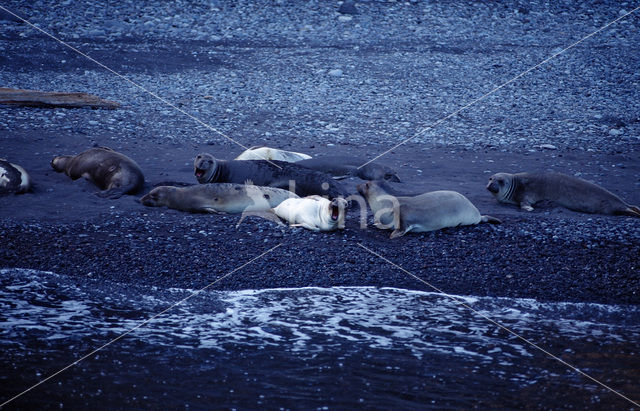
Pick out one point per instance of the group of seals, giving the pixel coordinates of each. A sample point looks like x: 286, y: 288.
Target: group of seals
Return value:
x: 228, y: 186
x: 301, y: 180
x: 425, y: 212
x: 13, y: 178
x: 106, y: 168
x: 527, y: 189
x: 337, y: 166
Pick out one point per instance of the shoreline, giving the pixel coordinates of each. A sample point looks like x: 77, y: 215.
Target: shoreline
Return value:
x: 550, y: 254
x: 305, y: 78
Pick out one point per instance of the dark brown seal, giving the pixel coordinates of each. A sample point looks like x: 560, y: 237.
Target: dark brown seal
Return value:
x: 527, y: 189
x: 108, y: 169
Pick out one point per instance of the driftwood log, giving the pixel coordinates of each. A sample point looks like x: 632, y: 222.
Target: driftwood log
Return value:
x: 35, y: 98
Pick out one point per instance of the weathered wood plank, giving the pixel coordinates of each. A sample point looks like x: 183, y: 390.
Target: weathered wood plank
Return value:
x: 35, y: 98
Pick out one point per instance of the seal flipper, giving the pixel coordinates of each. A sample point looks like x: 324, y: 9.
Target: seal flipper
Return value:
x: 490, y: 220
x: 113, y: 193
x: 524, y: 205
x: 398, y: 232
x: 632, y: 211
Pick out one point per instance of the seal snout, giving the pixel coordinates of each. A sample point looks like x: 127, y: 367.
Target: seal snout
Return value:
x: 392, y: 177
x: 335, y: 211
x: 199, y: 172
x: 493, y: 187
x: 362, y: 189
x: 336, y: 206
x: 146, y: 200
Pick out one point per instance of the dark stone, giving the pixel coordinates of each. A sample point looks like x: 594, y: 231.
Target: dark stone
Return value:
x: 348, y: 7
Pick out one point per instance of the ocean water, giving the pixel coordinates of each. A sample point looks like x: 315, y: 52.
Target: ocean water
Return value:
x: 305, y: 348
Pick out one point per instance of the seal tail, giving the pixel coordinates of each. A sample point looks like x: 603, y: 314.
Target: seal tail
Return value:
x: 632, y: 211
x: 490, y: 220
x: 117, y: 192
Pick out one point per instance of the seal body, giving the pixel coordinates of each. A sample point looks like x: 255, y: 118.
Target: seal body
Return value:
x: 280, y: 174
x: 425, y: 212
x: 216, y: 198
x: 314, y: 212
x: 527, y: 189
x: 106, y: 168
x: 13, y: 178
x: 268, y: 153
x: 346, y: 166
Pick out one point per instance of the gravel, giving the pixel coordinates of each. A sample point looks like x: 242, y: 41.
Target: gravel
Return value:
x: 298, y: 76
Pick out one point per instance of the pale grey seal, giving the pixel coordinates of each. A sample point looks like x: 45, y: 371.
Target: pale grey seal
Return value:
x: 217, y: 197
x: 268, y: 153
x: 425, y: 212
x: 527, y: 189
x: 313, y: 213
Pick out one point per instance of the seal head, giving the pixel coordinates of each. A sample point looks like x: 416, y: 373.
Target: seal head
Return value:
x: 502, y: 186
x: 205, y: 168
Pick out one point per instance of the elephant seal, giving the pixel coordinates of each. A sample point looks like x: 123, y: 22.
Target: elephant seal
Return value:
x: 13, y: 178
x: 345, y: 166
x: 279, y: 174
x: 268, y: 153
x: 217, y: 198
x: 425, y: 212
x: 106, y: 168
x: 313, y: 213
x: 527, y: 189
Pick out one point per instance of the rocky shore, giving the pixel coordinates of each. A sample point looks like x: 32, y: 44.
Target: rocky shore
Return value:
x: 311, y: 79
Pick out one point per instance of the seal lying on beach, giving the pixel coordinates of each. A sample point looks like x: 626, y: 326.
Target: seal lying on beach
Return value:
x: 527, y: 189
x: 108, y: 169
x: 289, y: 176
x: 13, y: 178
x: 313, y: 213
x: 345, y: 166
x: 216, y: 198
x: 268, y: 153
x: 425, y: 212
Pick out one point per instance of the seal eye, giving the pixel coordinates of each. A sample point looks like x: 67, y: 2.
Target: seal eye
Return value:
x: 266, y: 196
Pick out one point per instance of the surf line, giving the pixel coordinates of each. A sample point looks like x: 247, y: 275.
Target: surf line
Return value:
x: 459, y: 301
x: 129, y: 331
x: 127, y: 79
x: 487, y: 94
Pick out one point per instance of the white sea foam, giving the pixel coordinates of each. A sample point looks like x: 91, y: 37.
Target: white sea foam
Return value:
x: 299, y: 319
